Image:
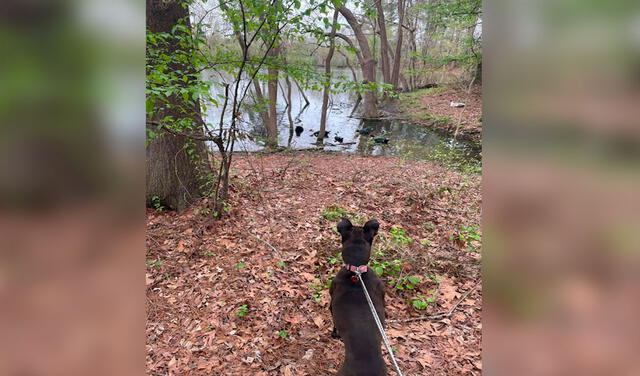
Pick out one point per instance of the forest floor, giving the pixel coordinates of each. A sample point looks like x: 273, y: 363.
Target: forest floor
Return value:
x: 248, y: 295
x: 432, y: 107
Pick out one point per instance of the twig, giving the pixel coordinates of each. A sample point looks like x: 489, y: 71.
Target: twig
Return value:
x: 267, y: 243
x: 440, y: 315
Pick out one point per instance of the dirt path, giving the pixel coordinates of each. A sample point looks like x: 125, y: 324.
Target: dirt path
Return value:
x: 432, y: 107
x: 248, y: 295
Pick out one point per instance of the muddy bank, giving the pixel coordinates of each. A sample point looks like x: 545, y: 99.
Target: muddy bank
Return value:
x: 432, y: 108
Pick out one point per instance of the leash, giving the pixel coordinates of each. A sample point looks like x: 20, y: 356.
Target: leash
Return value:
x: 377, y: 319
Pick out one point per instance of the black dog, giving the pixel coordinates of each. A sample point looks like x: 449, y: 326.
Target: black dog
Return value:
x: 352, y: 317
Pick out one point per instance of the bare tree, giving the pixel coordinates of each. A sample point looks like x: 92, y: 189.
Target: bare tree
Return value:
x: 384, y: 42
x: 327, y: 72
x: 365, y: 59
x: 397, y: 59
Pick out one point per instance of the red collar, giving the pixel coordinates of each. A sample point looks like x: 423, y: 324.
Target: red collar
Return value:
x: 353, y: 268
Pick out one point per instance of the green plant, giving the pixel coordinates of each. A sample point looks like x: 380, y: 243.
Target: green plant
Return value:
x: 283, y: 333
x: 242, y: 311
x: 408, y: 282
x: 335, y: 259
x: 157, y: 205
x: 319, y: 287
x: 399, y: 236
x: 240, y: 265
x: 422, y: 302
x: 154, y: 263
x: 469, y: 234
x: 209, y: 253
x: 385, y: 266
x: 205, y: 211
x: 282, y: 264
x: 333, y: 213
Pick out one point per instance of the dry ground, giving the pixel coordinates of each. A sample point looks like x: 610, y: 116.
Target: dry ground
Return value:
x: 247, y: 295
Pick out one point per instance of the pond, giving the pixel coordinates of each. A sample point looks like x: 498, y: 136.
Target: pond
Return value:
x: 402, y: 138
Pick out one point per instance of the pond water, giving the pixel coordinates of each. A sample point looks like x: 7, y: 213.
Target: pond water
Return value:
x: 405, y: 139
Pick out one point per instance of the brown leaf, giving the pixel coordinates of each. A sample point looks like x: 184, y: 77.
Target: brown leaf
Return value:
x: 287, y: 370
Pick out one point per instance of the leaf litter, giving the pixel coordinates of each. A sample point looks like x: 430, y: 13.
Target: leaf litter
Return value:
x: 271, y: 256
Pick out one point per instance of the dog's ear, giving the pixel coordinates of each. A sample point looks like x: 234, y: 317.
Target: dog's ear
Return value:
x: 370, y: 229
x: 344, y: 227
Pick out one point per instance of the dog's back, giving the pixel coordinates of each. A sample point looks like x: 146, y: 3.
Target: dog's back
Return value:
x: 355, y: 324
x: 352, y: 318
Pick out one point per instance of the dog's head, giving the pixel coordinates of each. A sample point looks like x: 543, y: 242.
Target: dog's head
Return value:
x: 356, y: 241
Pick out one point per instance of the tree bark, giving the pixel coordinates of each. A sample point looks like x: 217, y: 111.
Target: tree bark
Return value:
x: 397, y: 59
x: 272, y: 88
x: 173, y: 177
x: 384, y: 43
x: 367, y: 63
x: 327, y: 85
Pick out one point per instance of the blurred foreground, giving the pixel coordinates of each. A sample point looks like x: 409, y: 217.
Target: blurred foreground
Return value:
x: 562, y: 215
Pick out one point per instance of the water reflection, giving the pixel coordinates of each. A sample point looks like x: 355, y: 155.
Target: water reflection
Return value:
x: 404, y: 138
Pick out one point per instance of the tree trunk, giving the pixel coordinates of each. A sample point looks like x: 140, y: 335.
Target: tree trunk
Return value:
x: 413, y: 49
x: 327, y: 85
x: 366, y: 63
x: 272, y: 88
x: 384, y: 44
x: 397, y: 59
x: 173, y: 176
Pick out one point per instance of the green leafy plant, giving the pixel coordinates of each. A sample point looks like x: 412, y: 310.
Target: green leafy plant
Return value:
x: 422, y: 302
x: 408, y: 282
x: 155, y: 263
x: 333, y: 213
x: 469, y: 234
x: 240, y: 265
x: 385, y: 265
x: 242, y: 311
x: 319, y: 287
x: 283, y: 333
x: 335, y: 259
x: 205, y: 211
x: 155, y: 201
x: 399, y: 236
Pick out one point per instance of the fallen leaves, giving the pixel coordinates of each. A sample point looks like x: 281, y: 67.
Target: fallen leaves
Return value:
x: 276, y: 231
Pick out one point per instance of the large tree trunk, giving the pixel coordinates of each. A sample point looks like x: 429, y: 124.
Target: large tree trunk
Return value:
x: 384, y: 43
x: 172, y: 174
x: 397, y: 59
x: 367, y: 63
x: 327, y: 71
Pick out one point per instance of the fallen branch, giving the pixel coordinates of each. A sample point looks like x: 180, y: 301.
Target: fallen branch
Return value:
x: 443, y: 315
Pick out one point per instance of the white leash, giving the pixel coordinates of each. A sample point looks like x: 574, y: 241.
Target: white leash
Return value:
x: 377, y: 319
